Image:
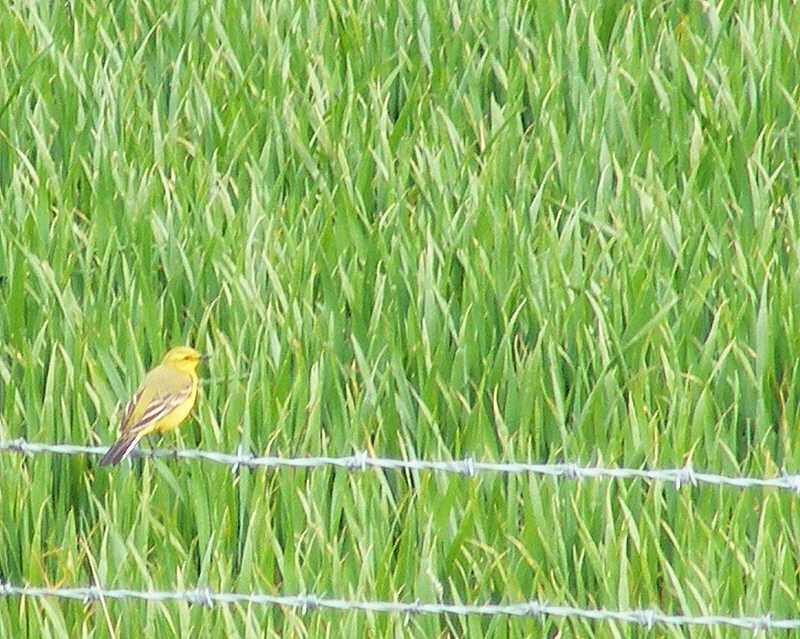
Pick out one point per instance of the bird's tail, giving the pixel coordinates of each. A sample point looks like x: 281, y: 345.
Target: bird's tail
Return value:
x: 121, y: 449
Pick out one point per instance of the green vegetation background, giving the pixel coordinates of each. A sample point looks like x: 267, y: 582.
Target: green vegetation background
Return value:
x: 546, y: 231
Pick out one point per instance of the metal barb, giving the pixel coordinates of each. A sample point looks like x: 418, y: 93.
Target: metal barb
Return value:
x: 647, y: 618
x: 413, y: 609
x: 309, y: 603
x: 468, y: 467
x: 92, y: 593
x: 237, y: 464
x: 201, y: 596
x: 20, y: 445
x: 793, y: 483
x: 571, y: 471
x: 357, y: 461
x: 762, y: 624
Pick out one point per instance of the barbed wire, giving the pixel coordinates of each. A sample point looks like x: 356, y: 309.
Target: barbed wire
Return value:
x: 361, y: 461
x: 306, y: 603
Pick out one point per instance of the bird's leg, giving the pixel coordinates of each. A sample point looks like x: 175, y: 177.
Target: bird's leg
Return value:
x: 150, y: 444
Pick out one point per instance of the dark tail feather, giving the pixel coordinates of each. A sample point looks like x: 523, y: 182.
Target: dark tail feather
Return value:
x: 120, y: 450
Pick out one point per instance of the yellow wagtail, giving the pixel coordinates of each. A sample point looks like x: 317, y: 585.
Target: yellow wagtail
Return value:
x: 163, y: 400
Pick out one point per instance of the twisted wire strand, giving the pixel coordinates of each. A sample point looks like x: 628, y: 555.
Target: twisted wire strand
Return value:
x: 307, y: 603
x: 469, y: 467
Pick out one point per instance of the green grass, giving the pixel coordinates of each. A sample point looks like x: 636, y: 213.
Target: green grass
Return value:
x: 515, y: 231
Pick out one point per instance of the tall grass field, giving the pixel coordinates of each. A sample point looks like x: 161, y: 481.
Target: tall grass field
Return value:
x: 551, y: 232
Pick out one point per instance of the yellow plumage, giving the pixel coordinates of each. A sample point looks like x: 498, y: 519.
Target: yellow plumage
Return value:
x: 164, y: 399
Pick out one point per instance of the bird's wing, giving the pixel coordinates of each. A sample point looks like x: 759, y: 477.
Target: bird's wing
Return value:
x: 126, y: 418
x: 160, y: 406
x: 161, y: 392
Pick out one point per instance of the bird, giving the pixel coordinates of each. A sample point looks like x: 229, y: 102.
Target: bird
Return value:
x: 164, y: 399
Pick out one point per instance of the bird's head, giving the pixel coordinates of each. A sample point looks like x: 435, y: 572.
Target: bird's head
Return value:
x: 184, y: 358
